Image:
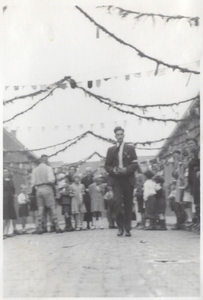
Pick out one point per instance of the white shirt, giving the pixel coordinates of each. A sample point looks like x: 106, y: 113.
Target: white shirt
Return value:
x: 42, y: 174
x: 120, y: 155
x: 22, y: 198
x: 149, y: 189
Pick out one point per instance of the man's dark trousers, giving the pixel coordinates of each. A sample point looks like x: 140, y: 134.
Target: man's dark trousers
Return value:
x: 123, y: 194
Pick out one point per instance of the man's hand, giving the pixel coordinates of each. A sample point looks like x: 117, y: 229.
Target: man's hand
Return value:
x: 116, y: 171
x: 122, y: 170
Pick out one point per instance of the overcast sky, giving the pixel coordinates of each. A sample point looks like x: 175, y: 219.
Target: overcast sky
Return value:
x: 45, y: 42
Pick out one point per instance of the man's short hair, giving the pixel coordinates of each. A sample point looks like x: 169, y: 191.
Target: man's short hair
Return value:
x: 44, y: 156
x: 177, y: 151
x: 118, y: 128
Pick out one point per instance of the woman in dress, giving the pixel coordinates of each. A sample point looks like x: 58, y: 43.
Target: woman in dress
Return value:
x: 23, y: 201
x: 9, y: 212
x: 77, y: 191
x: 87, y: 181
x: 97, y: 191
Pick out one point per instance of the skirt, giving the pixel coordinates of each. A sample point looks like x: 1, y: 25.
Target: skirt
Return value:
x: 23, y: 210
x: 151, y: 208
x: 77, y: 206
x: 9, y: 212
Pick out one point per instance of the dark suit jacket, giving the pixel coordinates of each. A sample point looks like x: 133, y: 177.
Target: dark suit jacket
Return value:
x: 129, y: 162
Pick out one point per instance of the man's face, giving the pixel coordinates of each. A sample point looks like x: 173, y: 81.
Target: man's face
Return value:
x: 191, y: 145
x: 89, y: 172
x: 77, y: 180
x: 72, y: 170
x: 119, y: 136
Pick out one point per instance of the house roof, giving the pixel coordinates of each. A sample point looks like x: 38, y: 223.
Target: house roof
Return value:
x: 174, y: 132
x: 10, y: 142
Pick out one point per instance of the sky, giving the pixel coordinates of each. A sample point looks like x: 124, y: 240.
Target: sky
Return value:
x: 45, y: 42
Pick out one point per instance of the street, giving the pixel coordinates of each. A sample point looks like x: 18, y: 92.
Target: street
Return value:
x: 97, y: 263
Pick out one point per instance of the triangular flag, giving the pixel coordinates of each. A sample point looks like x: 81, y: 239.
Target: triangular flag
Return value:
x: 198, y: 63
x: 161, y: 72
x: 97, y: 34
x: 6, y: 87
x: 127, y: 77
x: 34, y: 87
x: 98, y: 82
x: 137, y: 75
x: 89, y: 84
x: 16, y: 88
x: 149, y: 73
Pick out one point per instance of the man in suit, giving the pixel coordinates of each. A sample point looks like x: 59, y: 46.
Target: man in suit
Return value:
x: 121, y: 163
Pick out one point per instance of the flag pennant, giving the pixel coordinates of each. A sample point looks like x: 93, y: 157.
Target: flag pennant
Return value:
x: 16, y: 87
x: 198, y: 63
x: 127, y: 77
x: 89, y: 84
x: 161, y: 72
x: 98, y: 82
x: 6, y: 87
x: 149, y: 73
x: 34, y: 87
x: 137, y: 75
x: 97, y: 33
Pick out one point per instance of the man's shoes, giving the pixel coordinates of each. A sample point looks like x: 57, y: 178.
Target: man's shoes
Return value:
x: 59, y: 230
x: 120, y: 232
x: 17, y: 232
x: 127, y: 233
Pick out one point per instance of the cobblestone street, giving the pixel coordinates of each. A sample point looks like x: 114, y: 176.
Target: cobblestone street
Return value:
x: 97, y: 263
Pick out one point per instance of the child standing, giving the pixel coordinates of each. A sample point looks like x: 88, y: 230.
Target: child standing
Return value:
x: 77, y: 191
x: 66, y: 205
x: 150, y: 200
x: 177, y: 207
x: 140, y: 202
x: 110, y: 207
x: 96, y: 191
x: 161, y: 201
x: 23, y: 201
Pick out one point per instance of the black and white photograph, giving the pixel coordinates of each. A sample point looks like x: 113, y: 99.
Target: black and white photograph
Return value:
x: 101, y: 149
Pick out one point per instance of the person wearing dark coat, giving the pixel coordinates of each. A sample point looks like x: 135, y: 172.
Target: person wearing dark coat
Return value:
x: 121, y: 164
x: 9, y: 212
x: 87, y: 181
x: 194, y: 175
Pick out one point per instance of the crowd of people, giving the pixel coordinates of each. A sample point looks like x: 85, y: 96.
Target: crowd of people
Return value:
x: 86, y: 199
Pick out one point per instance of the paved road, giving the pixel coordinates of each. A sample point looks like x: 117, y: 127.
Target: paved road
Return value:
x: 97, y: 263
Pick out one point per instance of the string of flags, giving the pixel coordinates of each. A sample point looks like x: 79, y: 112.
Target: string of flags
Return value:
x: 90, y: 84
x: 75, y: 164
x: 139, y: 52
x: 193, y: 21
x: 107, y: 101
x: 81, y: 137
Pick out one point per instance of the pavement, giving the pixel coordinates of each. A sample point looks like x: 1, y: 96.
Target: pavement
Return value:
x: 97, y: 263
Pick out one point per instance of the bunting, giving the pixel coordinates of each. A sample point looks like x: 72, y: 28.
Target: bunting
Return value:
x: 193, y: 21
x: 139, y: 52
